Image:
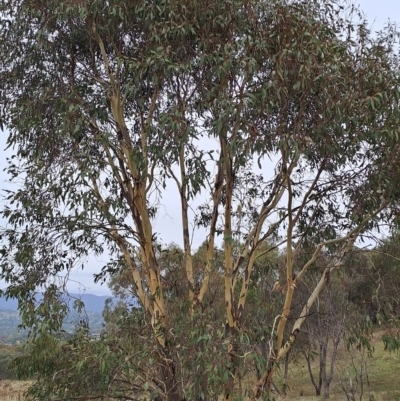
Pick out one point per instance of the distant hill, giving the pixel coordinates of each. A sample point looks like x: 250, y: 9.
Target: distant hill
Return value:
x: 93, y: 303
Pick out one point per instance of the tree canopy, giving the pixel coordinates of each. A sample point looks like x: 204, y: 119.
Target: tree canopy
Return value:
x: 112, y: 105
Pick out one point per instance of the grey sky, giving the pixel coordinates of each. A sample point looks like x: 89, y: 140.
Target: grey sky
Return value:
x: 378, y: 13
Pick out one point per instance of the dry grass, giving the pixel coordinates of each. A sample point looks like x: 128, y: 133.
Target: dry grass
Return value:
x: 383, y: 373
x: 12, y: 390
x: 374, y: 396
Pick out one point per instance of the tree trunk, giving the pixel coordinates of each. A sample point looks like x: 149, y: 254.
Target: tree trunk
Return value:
x: 168, y: 374
x: 171, y: 384
x: 285, y: 374
x: 233, y: 365
x: 326, y: 389
x: 322, y: 365
x: 308, y: 359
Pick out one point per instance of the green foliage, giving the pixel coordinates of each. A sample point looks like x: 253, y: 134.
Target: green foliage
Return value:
x: 373, y: 289
x: 7, y: 354
x: 392, y: 343
x: 108, y: 104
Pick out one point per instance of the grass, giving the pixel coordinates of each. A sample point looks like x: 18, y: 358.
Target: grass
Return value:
x: 383, y: 371
x: 12, y: 390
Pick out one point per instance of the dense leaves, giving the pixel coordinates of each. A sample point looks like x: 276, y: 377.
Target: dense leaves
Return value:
x: 111, y: 105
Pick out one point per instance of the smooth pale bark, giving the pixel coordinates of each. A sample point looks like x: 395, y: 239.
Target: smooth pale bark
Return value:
x: 218, y: 186
x: 185, y: 229
x: 231, y: 322
x: 264, y: 384
x: 134, y: 189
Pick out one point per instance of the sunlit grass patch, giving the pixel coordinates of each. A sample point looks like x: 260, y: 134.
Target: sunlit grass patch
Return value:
x: 12, y: 390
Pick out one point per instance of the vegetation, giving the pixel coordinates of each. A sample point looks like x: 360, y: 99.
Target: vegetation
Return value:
x: 11, y: 334
x: 383, y: 369
x: 7, y: 355
x: 113, y: 105
x: 11, y: 390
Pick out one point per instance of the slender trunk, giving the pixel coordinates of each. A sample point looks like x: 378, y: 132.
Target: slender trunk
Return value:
x: 185, y: 226
x: 310, y: 372
x: 285, y: 374
x: 231, y: 315
x: 322, y: 365
x: 326, y: 389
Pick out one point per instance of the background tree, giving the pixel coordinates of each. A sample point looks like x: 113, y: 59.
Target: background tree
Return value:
x: 373, y: 287
x: 325, y: 329
x: 111, y: 105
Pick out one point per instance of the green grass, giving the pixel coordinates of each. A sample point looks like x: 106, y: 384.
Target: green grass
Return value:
x: 383, y: 372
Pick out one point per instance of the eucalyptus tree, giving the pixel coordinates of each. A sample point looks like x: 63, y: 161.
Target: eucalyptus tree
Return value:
x: 112, y: 105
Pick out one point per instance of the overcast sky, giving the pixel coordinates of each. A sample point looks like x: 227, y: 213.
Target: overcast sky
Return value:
x: 378, y: 13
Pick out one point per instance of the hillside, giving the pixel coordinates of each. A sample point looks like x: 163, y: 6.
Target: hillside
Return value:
x: 10, y: 319
x: 11, y: 334
x: 93, y: 303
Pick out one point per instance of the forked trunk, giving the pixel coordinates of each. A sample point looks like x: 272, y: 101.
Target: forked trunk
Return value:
x: 326, y: 390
